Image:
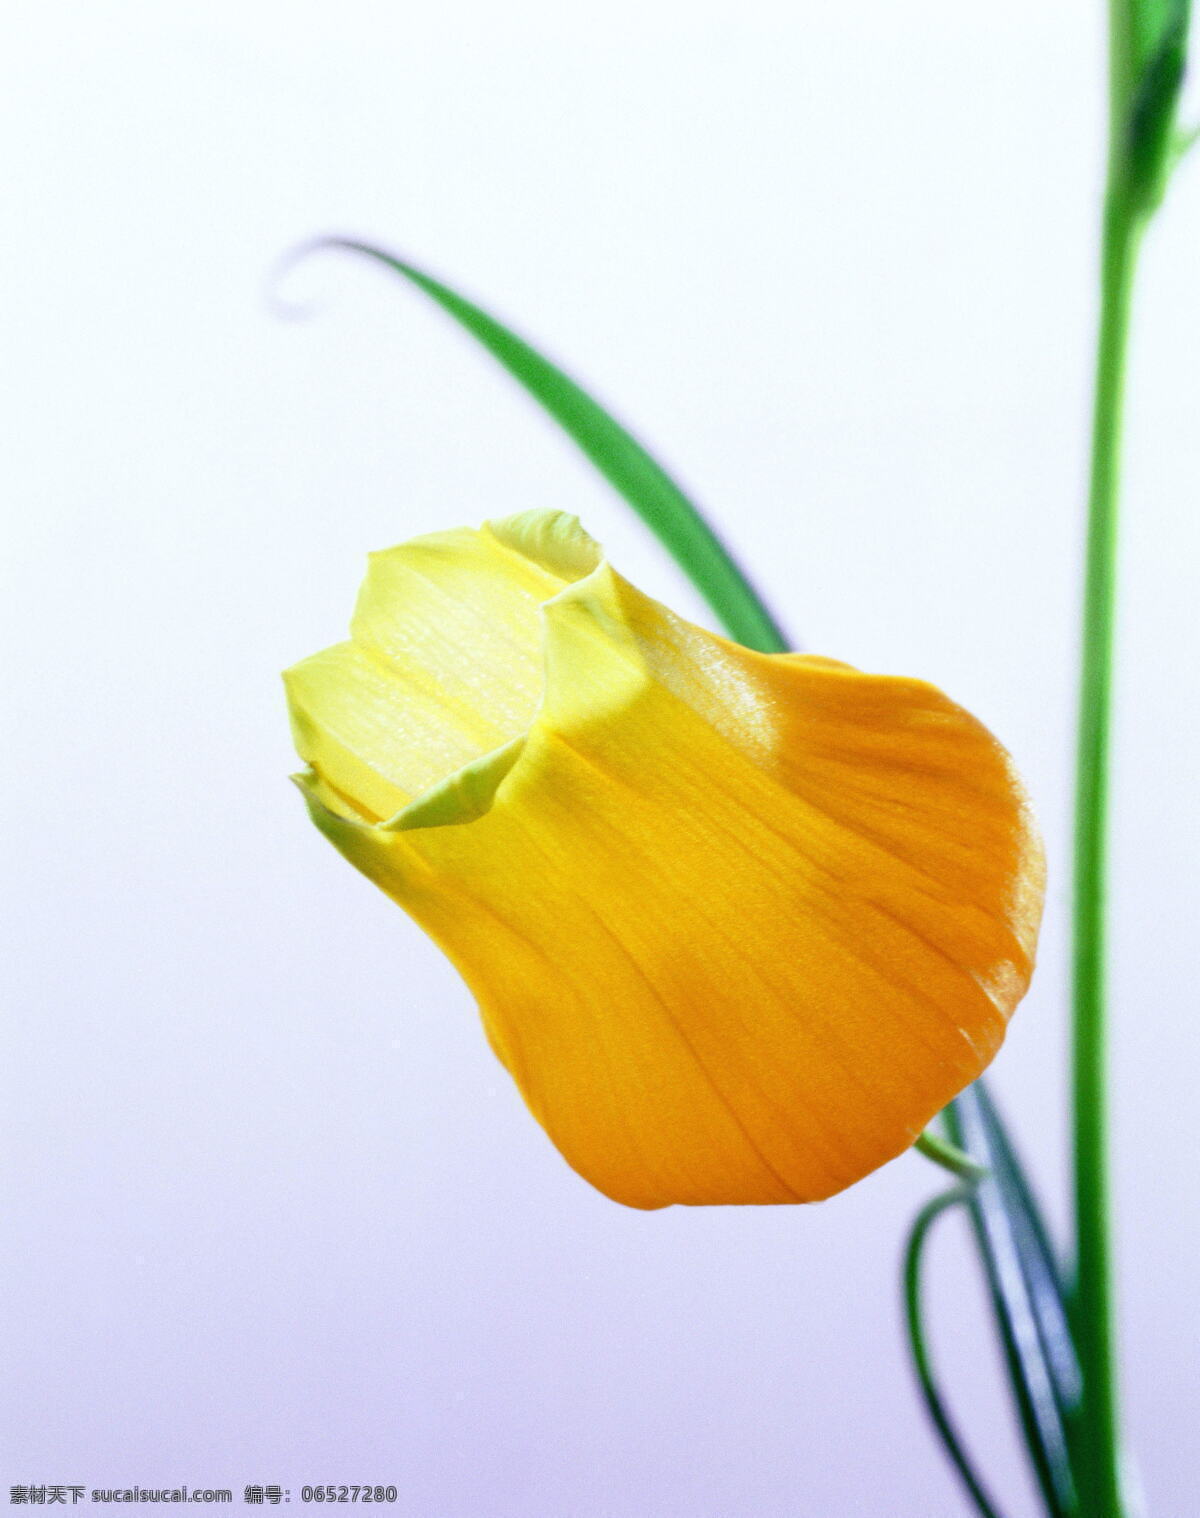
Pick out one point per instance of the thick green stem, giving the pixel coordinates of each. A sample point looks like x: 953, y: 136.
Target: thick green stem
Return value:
x: 1098, y: 1450
x: 1147, y: 60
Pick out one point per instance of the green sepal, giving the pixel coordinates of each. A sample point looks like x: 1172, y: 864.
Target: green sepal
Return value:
x: 463, y: 796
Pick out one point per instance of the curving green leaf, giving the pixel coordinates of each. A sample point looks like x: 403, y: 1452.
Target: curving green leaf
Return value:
x: 616, y: 453
x: 1043, y: 1272
x: 1027, y: 1298
x: 935, y: 1403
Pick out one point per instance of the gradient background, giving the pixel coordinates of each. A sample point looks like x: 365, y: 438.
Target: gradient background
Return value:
x: 272, y: 1211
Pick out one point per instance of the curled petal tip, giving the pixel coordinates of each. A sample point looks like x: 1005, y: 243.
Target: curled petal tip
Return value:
x: 554, y: 539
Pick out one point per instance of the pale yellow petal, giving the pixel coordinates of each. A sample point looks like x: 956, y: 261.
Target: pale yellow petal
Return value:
x: 444, y: 667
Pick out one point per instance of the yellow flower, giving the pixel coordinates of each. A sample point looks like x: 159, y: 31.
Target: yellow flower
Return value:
x: 738, y: 924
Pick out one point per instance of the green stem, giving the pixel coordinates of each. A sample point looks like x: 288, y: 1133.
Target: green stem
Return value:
x: 1147, y: 60
x: 1097, y: 1430
x: 934, y: 1403
x: 950, y: 1157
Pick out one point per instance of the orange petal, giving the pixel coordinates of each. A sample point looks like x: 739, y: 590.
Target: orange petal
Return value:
x: 738, y: 924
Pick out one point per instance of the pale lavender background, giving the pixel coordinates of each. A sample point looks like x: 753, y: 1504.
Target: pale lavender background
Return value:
x: 272, y: 1212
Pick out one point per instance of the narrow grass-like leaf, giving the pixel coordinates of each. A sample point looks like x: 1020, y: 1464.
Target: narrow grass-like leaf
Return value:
x: 935, y: 1403
x: 1039, y: 1260
x: 1023, y: 1297
x: 623, y: 461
